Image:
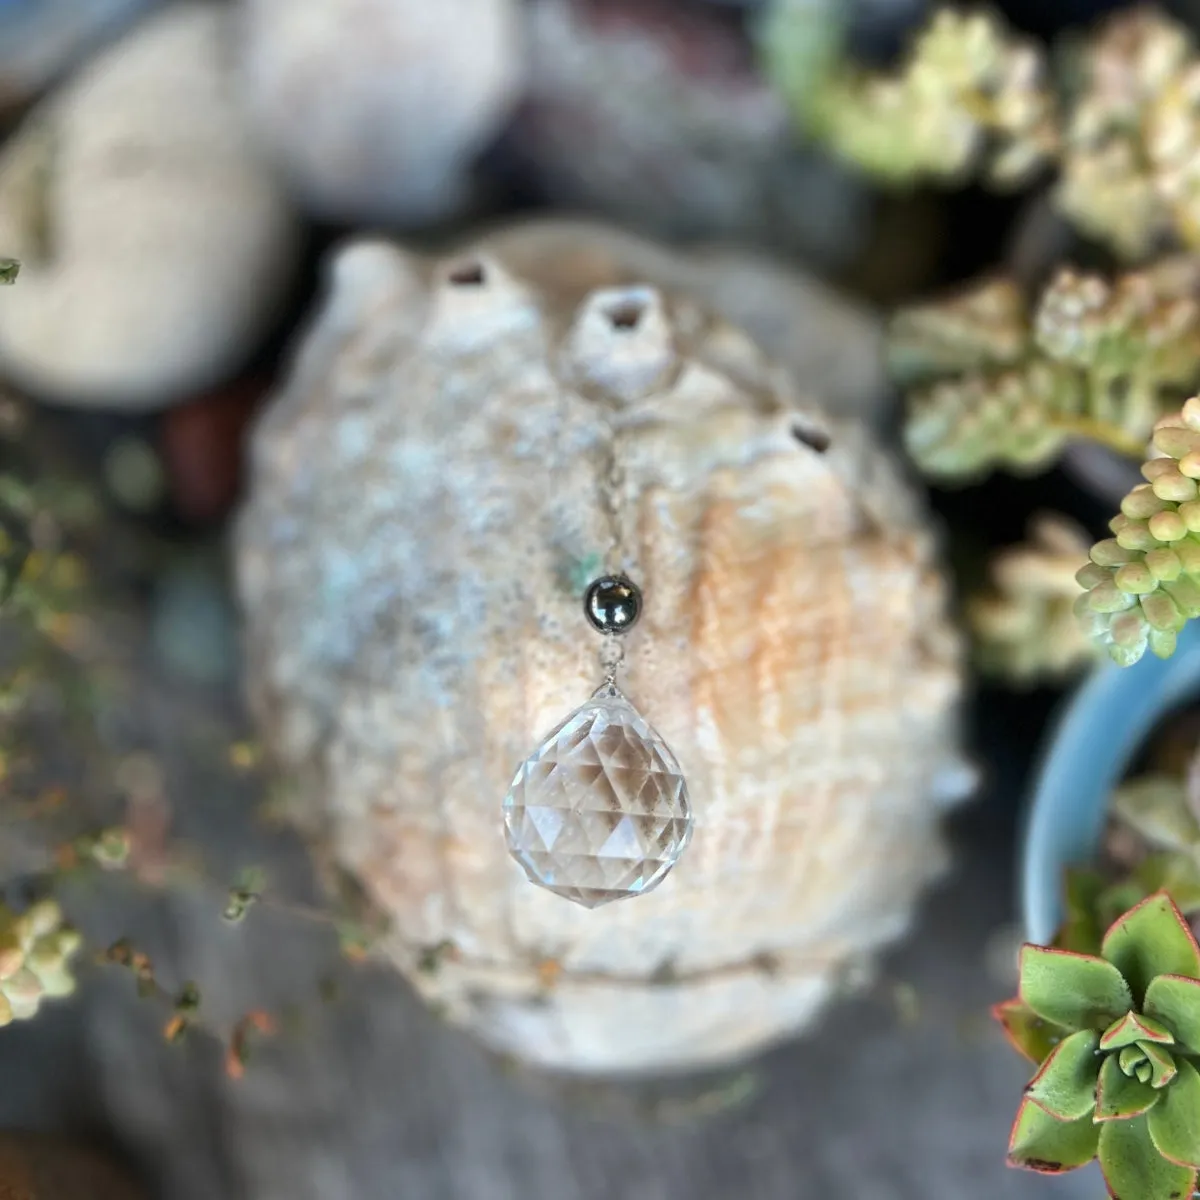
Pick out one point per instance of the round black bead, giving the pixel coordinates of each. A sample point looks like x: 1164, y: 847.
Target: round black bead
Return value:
x: 613, y: 604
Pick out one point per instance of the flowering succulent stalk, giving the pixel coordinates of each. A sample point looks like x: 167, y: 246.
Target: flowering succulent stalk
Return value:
x: 992, y: 384
x: 1116, y: 1040
x: 1143, y: 584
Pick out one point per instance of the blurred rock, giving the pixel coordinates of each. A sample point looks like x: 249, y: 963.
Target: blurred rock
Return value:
x: 40, y: 39
x: 34, y: 1166
x: 201, y: 444
x: 375, y: 108
x: 656, y: 115
x: 434, y: 472
x: 156, y: 248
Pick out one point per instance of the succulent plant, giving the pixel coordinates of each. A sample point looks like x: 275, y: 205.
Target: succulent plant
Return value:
x: 1143, y: 584
x: 1024, y: 626
x: 973, y: 99
x: 36, y: 948
x: 1158, y: 809
x: 969, y: 97
x: 1130, y: 134
x: 1154, y: 839
x: 1116, y: 1040
x: 993, y: 384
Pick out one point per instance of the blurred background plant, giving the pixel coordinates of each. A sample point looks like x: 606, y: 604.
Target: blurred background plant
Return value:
x: 80, y: 813
x: 1007, y: 372
x: 1025, y: 626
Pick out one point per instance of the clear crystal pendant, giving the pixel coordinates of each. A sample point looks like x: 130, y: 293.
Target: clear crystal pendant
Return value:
x: 600, y: 810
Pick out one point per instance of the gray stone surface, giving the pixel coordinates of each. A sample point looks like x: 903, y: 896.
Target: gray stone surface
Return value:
x: 381, y: 1100
x: 376, y: 1099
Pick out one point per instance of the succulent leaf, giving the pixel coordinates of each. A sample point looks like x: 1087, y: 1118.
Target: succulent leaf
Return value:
x: 1081, y: 931
x: 1041, y: 1143
x: 1168, y: 872
x: 1174, y: 1123
x: 1024, y: 624
x: 969, y: 96
x: 1156, y: 807
x: 1161, y: 1062
x: 1151, y: 939
x: 1028, y: 1033
x: 1175, y: 1001
x: 1134, y: 1169
x: 1134, y: 1027
x: 1121, y: 609
x: 1075, y: 991
x: 1120, y: 1096
x: 984, y: 325
x: 1066, y: 1084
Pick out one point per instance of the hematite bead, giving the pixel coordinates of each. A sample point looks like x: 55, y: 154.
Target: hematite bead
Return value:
x: 613, y: 604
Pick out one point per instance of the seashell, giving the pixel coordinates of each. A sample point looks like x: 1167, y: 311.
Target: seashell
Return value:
x: 462, y: 443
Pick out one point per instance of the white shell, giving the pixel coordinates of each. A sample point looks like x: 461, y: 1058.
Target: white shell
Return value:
x: 428, y: 499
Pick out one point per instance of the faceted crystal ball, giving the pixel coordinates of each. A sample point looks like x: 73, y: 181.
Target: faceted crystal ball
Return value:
x: 600, y: 810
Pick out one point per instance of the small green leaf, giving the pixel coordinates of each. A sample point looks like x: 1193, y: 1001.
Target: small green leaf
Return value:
x: 1076, y: 991
x: 1175, y: 1001
x: 1162, y: 1064
x: 1129, y: 1057
x: 1040, y: 1143
x: 1156, y: 807
x: 1118, y: 1097
x: 1177, y: 874
x: 1174, y: 1123
x: 1027, y: 1032
x: 1133, y: 1027
x: 1151, y: 939
x: 1134, y: 1169
x: 1066, y: 1084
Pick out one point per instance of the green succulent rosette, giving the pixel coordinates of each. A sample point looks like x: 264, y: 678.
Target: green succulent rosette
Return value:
x: 1116, y: 1040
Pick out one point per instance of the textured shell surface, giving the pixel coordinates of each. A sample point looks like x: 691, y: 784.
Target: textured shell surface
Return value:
x: 464, y: 441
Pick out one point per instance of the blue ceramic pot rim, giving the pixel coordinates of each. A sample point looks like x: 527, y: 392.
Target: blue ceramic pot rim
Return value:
x: 1088, y: 751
